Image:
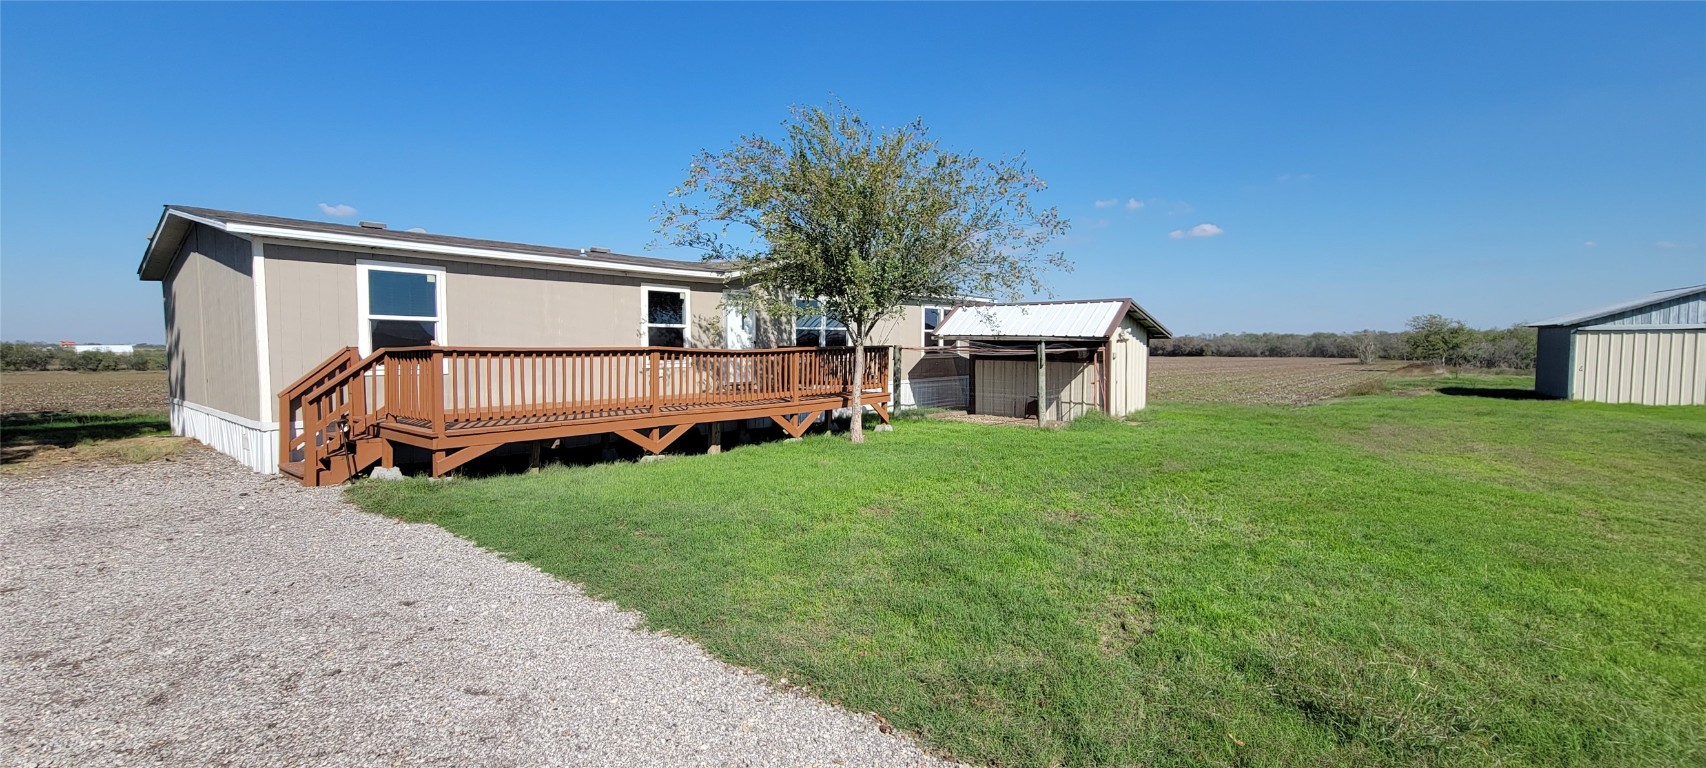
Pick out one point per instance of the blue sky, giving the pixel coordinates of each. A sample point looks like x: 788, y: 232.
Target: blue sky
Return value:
x: 1350, y: 165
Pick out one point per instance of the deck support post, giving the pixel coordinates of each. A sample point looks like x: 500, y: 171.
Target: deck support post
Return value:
x: 1042, y: 383
x: 533, y: 457
x: 716, y: 445
x: 387, y: 454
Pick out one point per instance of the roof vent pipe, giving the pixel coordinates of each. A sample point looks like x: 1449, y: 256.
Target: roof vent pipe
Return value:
x: 598, y: 249
x: 373, y: 225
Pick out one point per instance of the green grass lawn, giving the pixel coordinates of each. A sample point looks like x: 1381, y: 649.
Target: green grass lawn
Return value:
x: 1412, y: 578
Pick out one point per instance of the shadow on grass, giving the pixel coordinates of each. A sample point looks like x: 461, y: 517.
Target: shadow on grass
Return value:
x: 61, y: 429
x: 1500, y: 393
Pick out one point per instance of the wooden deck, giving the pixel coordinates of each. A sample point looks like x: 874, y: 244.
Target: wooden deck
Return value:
x: 459, y: 403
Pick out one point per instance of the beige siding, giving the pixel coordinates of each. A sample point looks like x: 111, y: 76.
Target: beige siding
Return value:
x: 1128, y: 370
x: 210, y: 324
x: 312, y: 297
x: 1008, y: 387
x: 936, y: 380
x: 1648, y: 367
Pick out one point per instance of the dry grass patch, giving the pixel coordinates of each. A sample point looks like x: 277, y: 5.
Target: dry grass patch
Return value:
x: 30, y: 441
x: 130, y: 450
x: 1125, y: 621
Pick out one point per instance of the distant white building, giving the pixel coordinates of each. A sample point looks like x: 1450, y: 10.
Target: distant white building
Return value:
x: 117, y: 349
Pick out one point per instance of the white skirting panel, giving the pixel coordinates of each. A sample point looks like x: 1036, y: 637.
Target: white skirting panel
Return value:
x: 250, y: 442
x: 938, y: 392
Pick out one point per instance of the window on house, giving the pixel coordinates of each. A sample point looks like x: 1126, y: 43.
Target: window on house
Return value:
x: 817, y: 330
x: 401, y: 306
x: 932, y: 320
x: 666, y: 317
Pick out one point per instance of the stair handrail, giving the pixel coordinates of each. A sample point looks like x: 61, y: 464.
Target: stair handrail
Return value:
x: 306, y: 393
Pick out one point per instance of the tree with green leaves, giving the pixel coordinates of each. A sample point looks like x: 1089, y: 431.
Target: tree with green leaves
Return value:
x: 1437, y: 338
x: 861, y: 221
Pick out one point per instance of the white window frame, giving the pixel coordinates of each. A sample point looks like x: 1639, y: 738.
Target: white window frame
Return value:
x: 646, y: 323
x: 924, y: 330
x: 365, y: 318
x: 823, y: 328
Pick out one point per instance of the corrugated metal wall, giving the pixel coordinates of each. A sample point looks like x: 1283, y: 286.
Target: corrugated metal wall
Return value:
x: 1128, y: 374
x: 1008, y: 387
x: 1682, y: 310
x: 1648, y: 367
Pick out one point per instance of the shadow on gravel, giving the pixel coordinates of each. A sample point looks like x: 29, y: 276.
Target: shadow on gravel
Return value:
x: 1493, y: 392
x: 22, y: 434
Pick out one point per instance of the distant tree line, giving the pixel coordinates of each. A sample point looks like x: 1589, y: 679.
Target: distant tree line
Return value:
x: 1428, y: 338
x: 35, y: 356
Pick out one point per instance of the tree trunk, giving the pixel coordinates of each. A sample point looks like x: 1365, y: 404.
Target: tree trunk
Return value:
x: 856, y: 425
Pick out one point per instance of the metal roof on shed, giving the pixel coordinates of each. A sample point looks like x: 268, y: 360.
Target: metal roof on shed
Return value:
x: 1092, y: 319
x: 1677, y: 306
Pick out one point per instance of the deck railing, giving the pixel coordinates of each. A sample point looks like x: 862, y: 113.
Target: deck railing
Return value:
x: 439, y: 388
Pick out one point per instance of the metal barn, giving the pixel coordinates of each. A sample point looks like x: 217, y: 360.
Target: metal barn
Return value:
x: 1055, y: 361
x: 1650, y: 350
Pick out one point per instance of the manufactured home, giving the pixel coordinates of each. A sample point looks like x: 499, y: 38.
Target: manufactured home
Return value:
x: 1649, y: 350
x: 305, y: 345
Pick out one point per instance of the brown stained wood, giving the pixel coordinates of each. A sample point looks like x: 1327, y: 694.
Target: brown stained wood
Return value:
x: 445, y: 461
x: 795, y: 424
x: 651, y: 441
x: 462, y: 402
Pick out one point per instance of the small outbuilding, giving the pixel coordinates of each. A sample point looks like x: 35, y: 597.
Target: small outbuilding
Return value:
x: 1057, y: 360
x: 1650, y: 350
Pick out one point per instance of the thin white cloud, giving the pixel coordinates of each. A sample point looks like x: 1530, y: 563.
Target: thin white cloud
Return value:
x: 339, y: 210
x: 1130, y: 203
x: 1200, y: 230
x: 1590, y: 244
x: 1667, y: 244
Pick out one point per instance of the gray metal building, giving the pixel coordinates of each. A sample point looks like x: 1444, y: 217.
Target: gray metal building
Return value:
x: 1650, y: 350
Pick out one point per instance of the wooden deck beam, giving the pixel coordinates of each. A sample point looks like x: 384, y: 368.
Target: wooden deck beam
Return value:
x: 444, y: 461
x: 654, y: 443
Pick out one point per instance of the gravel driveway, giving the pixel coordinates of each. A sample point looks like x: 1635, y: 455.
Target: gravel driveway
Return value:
x: 188, y: 611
